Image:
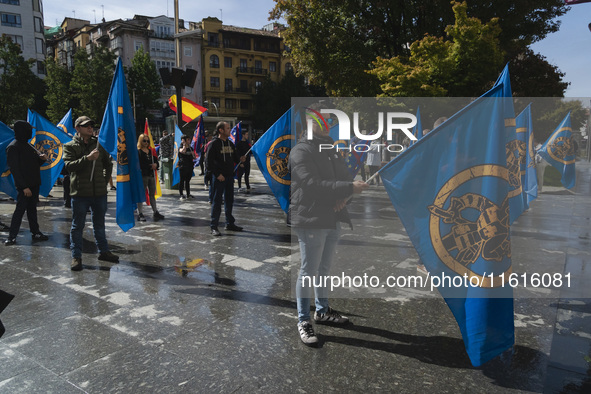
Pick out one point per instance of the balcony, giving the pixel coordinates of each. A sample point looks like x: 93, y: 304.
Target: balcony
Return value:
x: 239, y: 90
x: 251, y: 71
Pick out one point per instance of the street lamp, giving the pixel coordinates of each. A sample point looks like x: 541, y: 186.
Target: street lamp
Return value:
x: 217, y: 114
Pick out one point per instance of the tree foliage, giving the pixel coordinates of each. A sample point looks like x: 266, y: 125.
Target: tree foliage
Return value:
x: 18, y: 84
x: 58, y: 90
x: 91, y: 81
x: 273, y: 99
x: 143, y: 78
x: 464, y: 66
x: 332, y: 41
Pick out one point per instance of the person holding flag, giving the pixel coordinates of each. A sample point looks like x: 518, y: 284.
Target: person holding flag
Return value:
x: 25, y: 162
x: 90, y: 167
x: 149, y: 166
x: 320, y: 188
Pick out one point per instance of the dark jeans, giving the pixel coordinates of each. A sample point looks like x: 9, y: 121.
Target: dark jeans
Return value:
x: 222, y: 192
x: 186, y: 174
x: 98, y: 208
x: 246, y: 171
x: 66, y: 186
x: 28, y: 204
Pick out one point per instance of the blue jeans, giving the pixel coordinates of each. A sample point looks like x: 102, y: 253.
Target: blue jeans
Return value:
x: 317, y: 249
x: 222, y: 192
x: 98, y: 208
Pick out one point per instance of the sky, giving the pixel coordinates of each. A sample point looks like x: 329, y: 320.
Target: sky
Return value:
x: 569, y: 48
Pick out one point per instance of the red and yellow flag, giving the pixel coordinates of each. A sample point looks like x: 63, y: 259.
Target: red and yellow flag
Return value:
x: 153, y: 150
x: 191, y: 110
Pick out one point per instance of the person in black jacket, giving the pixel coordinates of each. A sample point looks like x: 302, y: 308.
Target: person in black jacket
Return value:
x: 243, y: 147
x: 24, y: 163
x: 221, y: 158
x: 148, y: 164
x: 186, y: 165
x: 320, y: 188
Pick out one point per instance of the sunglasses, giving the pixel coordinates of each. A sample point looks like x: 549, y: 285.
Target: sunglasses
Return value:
x: 146, y: 140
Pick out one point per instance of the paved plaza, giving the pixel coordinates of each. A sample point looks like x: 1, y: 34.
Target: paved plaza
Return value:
x: 187, y: 312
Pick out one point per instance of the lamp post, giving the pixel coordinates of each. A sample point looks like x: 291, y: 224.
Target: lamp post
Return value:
x: 217, y: 114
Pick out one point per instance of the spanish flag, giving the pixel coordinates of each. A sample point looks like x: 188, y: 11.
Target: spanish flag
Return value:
x: 191, y: 110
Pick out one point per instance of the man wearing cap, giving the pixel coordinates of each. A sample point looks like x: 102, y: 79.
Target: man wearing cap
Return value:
x: 90, y: 168
x: 24, y: 163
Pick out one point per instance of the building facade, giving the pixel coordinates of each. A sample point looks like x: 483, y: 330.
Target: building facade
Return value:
x: 22, y: 21
x: 235, y: 63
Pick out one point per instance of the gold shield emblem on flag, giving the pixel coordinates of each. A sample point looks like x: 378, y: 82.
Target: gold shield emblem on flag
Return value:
x: 560, y: 148
x: 467, y: 227
x: 278, y: 157
x: 122, y: 159
x: 50, y: 146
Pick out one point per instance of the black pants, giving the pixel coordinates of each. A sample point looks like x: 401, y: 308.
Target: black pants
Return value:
x: 66, y: 186
x: 28, y: 204
x: 222, y: 192
x: 186, y: 174
x: 246, y: 172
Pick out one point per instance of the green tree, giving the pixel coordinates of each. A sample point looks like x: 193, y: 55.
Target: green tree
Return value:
x: 273, y: 99
x: 332, y: 41
x: 143, y: 78
x: 18, y: 84
x: 547, y: 113
x: 58, y: 90
x: 463, y: 66
x: 91, y: 81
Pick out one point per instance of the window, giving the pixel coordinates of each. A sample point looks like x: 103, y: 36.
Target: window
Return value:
x: 245, y: 104
x: 37, y: 6
x: 188, y: 51
x: 230, y: 103
x: 228, y: 84
x: 288, y: 67
x: 244, y: 86
x: 228, y: 62
x: 243, y: 65
x: 12, y: 2
x: 12, y: 20
x: 258, y: 66
x: 16, y: 39
x: 272, y: 67
x: 258, y: 84
x: 137, y: 45
x: 214, y: 82
x: 40, y: 67
x: 38, y: 25
x: 212, y: 39
x: 214, y: 61
x: 39, y: 45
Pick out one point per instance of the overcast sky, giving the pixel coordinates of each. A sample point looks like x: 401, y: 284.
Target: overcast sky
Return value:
x: 569, y: 49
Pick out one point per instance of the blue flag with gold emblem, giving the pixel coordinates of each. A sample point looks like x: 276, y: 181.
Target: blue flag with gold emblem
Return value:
x: 48, y: 139
x: 559, y: 150
x: 527, y: 162
x: 6, y: 181
x: 118, y: 137
x: 514, y: 148
x: 271, y: 153
x: 176, y: 174
x: 67, y: 124
x: 451, y: 193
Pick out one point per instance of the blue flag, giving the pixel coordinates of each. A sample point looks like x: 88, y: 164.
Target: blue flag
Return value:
x: 559, y: 150
x: 118, y: 137
x: 67, y: 124
x: 529, y: 180
x: 198, y: 142
x: 417, y: 131
x: 513, y: 147
x: 236, y: 133
x: 6, y: 181
x: 356, y: 156
x: 48, y: 139
x: 451, y: 193
x: 176, y: 175
x: 271, y: 153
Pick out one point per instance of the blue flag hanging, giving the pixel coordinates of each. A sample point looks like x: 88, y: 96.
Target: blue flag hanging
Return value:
x: 559, y: 150
x: 513, y: 147
x: 271, y: 153
x: 67, y: 124
x: 529, y: 180
x: 6, y: 181
x: 236, y: 133
x: 118, y: 137
x: 48, y: 139
x: 451, y: 193
x: 176, y: 174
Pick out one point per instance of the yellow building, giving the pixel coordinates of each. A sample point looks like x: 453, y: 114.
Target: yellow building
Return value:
x: 236, y: 61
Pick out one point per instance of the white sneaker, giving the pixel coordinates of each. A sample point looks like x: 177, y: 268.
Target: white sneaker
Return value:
x: 331, y: 316
x: 307, y: 333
